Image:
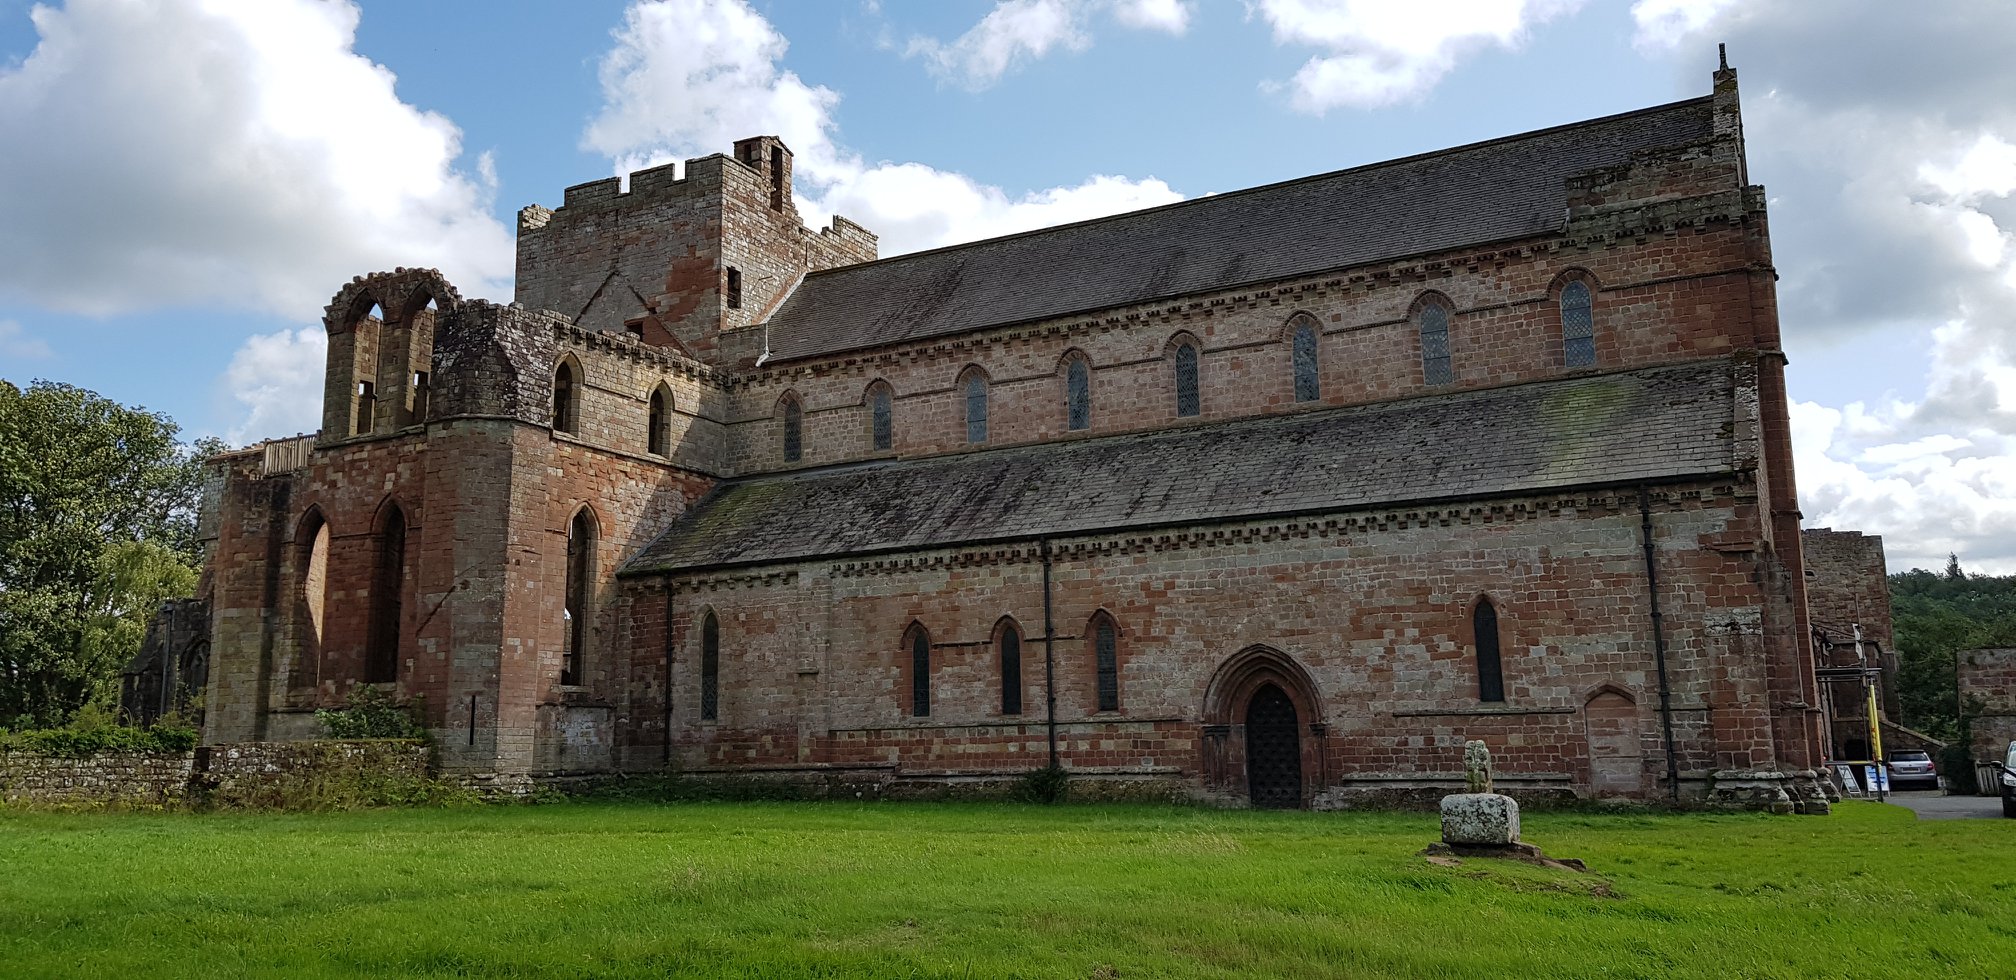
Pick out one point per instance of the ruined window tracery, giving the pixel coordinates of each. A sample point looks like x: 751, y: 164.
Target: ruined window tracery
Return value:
x: 1078, y: 393
x: 1308, y: 383
x: 576, y: 610
x: 1578, y: 326
x: 1010, y: 647
x: 794, y: 430
x: 388, y: 585
x: 658, y: 423
x: 1188, y: 404
x: 564, y: 397
x: 1490, y: 672
x: 710, y: 668
x: 1106, y: 662
x: 976, y: 408
x: 1437, y: 368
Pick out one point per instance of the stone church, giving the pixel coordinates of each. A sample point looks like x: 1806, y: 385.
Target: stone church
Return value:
x: 1272, y: 497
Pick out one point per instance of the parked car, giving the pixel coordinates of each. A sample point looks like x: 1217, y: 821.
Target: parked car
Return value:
x: 1912, y: 769
x: 2008, y: 770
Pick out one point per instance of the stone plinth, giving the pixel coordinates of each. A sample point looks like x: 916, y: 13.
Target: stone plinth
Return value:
x: 1479, y: 819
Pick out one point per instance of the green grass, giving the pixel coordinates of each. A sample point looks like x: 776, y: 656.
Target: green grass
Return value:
x: 860, y: 890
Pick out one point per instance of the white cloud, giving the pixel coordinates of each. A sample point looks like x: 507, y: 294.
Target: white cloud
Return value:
x: 1665, y: 23
x: 1013, y: 32
x: 687, y: 78
x: 276, y: 379
x: 16, y: 343
x: 1016, y: 32
x: 232, y: 152
x: 1382, y: 53
x: 1168, y: 16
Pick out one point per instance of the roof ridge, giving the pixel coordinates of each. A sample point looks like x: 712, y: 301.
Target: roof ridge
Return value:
x: 1259, y: 188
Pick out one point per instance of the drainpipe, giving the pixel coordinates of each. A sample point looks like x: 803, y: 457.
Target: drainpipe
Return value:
x: 668, y: 672
x: 1659, y: 643
x: 1049, y: 662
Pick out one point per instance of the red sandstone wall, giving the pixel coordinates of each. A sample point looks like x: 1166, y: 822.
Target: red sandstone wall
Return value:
x: 1376, y: 609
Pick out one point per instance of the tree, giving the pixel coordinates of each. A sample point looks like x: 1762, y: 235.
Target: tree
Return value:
x: 97, y: 526
x: 1934, y: 617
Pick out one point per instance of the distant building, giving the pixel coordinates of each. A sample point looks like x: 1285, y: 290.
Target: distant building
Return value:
x: 1270, y: 497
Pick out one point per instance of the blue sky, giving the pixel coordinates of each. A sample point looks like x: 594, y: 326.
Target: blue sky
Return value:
x: 190, y: 180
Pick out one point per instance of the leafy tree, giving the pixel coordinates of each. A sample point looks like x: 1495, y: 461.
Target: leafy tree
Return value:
x: 1935, y: 616
x: 97, y: 526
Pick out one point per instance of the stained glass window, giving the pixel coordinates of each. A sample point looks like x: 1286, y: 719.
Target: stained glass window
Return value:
x: 710, y: 668
x: 1308, y: 387
x: 1011, y: 670
x: 1106, y: 657
x: 1578, y: 326
x: 976, y: 409
x: 1436, y: 366
x: 1187, y: 403
x: 883, y: 407
x: 1078, y: 393
x: 1490, y: 674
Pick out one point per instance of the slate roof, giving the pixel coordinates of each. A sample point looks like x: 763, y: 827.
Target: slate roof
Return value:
x: 1646, y: 425
x: 1486, y: 192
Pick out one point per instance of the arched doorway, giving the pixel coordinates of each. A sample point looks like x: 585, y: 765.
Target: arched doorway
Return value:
x: 1273, y: 750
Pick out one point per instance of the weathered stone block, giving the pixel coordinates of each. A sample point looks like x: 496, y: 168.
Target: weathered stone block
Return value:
x: 1479, y: 819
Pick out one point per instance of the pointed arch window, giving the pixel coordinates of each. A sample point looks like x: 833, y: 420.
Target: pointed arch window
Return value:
x: 920, y: 672
x: 658, y: 424
x: 314, y: 599
x: 388, y: 585
x: 1106, y: 662
x: 1437, y: 368
x: 976, y: 408
x: 1308, y: 383
x: 576, y: 611
x: 1578, y: 325
x: 882, y: 417
x: 1009, y: 646
x: 794, y: 430
x: 1490, y: 672
x: 565, y: 397
x: 710, y: 667
x: 1078, y: 393
x: 1188, y: 403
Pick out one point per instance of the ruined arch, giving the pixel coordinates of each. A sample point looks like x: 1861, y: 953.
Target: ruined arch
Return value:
x: 386, y: 618
x: 379, y: 369
x: 577, y: 609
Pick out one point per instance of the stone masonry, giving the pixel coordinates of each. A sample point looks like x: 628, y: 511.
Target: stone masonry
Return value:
x: 1490, y: 443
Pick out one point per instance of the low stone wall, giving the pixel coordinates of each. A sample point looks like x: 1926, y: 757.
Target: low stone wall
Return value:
x: 255, y: 774
x: 106, y: 779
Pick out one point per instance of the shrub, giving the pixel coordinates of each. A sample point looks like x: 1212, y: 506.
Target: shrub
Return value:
x: 75, y: 741
x: 372, y: 713
x: 1049, y: 784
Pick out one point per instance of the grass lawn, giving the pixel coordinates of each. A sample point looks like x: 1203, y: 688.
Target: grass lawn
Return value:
x: 892, y: 890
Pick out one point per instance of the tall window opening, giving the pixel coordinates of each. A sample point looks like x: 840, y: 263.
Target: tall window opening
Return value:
x: 1578, y: 326
x: 1490, y: 673
x: 734, y: 289
x: 882, y: 412
x: 367, y: 405
x: 421, y: 396
x: 578, y: 608
x: 1308, y: 382
x: 313, y: 609
x: 1437, y: 368
x: 710, y: 667
x: 1188, y: 404
x: 920, y: 672
x: 388, y: 586
x: 794, y: 430
x: 976, y: 408
x: 1010, y: 648
x: 1106, y: 662
x: 658, y: 424
x: 564, y: 397
x: 1078, y: 393
x: 776, y: 178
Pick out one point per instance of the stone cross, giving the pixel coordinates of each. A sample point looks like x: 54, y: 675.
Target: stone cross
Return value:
x: 1477, y: 766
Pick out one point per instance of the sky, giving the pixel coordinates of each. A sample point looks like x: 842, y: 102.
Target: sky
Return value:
x: 188, y: 182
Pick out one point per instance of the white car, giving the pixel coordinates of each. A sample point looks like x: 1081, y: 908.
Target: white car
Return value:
x: 2009, y: 783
